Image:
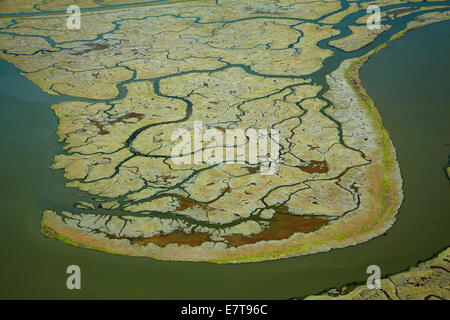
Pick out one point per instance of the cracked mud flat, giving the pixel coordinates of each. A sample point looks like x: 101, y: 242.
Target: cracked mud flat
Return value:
x: 135, y: 76
x: 428, y: 280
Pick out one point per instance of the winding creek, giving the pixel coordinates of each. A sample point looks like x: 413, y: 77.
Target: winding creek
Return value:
x: 34, y: 267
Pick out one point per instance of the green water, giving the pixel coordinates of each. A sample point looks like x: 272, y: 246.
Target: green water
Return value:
x: 409, y: 84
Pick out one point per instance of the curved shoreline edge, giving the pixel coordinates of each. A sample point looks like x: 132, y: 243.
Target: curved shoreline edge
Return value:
x: 389, y: 185
x: 408, y: 284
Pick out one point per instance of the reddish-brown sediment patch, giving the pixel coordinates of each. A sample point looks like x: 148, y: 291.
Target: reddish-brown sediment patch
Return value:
x: 315, y: 167
x: 282, y: 226
x: 312, y: 147
x: 220, y: 129
x: 99, y: 126
x: 253, y: 170
x: 131, y: 115
x: 178, y: 237
x: 186, y: 203
x: 354, y: 187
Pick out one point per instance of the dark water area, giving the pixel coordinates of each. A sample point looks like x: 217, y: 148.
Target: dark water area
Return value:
x: 409, y: 83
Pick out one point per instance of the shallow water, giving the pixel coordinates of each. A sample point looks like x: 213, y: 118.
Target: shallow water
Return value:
x: 409, y: 84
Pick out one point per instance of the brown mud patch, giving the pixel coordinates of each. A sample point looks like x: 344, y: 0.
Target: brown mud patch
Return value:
x: 178, y: 237
x: 103, y: 131
x: 186, y: 203
x: 354, y: 187
x: 252, y: 170
x: 315, y: 167
x: 100, y: 127
x: 220, y: 129
x: 282, y: 226
x: 132, y: 115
